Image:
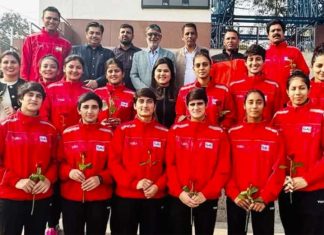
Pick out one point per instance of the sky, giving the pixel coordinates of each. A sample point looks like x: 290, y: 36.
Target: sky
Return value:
x: 26, y: 8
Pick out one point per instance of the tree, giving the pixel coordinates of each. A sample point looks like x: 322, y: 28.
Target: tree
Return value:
x: 12, y: 22
x: 271, y: 7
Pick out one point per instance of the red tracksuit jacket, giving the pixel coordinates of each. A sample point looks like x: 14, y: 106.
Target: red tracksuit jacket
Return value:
x: 122, y: 98
x: 302, y: 129
x: 93, y: 141
x: 36, y: 46
x: 316, y: 94
x: 219, y: 100
x: 257, y: 152
x: 25, y: 143
x: 198, y: 156
x: 60, y: 106
x: 137, y: 152
x: 270, y: 89
x: 280, y: 59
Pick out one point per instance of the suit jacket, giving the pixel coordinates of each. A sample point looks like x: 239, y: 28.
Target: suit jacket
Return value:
x: 141, y: 72
x: 180, y: 65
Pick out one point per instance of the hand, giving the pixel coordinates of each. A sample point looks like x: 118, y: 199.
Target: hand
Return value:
x: 8, y: 110
x: 151, y: 191
x: 243, y: 203
x: 257, y: 206
x: 199, y: 198
x: 185, y: 199
x: 25, y: 184
x: 91, y: 84
x: 41, y: 186
x: 299, y: 183
x: 77, y: 175
x: 288, y: 185
x: 90, y: 183
x: 144, y: 184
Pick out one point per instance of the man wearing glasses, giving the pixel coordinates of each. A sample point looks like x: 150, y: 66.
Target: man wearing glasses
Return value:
x: 143, y: 61
x: 48, y: 41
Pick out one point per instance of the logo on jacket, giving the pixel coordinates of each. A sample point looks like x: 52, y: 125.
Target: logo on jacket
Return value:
x: 209, y: 145
x: 133, y: 143
x: 307, y: 129
x: 265, y: 147
x: 43, y: 139
x: 214, y: 101
x: 240, y: 146
x: 100, y: 148
x: 157, y: 144
x: 124, y: 104
x: 58, y: 49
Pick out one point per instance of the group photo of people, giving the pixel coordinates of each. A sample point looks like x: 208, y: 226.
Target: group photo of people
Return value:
x: 147, y: 140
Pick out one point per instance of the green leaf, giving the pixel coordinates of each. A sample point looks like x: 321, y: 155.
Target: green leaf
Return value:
x: 186, y: 189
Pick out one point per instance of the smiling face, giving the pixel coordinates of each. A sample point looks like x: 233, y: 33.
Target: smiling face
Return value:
x: 10, y: 67
x: 51, y: 21
x: 197, y: 110
x: 297, y: 91
x: 276, y: 34
x: 73, y: 70
x: 145, y: 108
x: 114, y: 74
x: 254, y: 64
x: 94, y: 36
x: 153, y: 38
x: 31, y: 103
x: 318, y: 68
x: 162, y: 75
x: 89, y: 111
x: 48, y: 70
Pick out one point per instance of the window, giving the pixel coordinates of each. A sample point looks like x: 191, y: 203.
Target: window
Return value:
x: 180, y: 4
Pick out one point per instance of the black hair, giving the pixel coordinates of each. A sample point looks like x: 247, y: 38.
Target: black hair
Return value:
x: 51, y: 57
x: 255, y: 50
x: 197, y: 94
x: 127, y: 26
x: 145, y: 92
x: 299, y: 74
x: 30, y: 86
x: 12, y: 53
x: 274, y: 22
x: 203, y: 52
x: 172, y: 86
x: 255, y: 91
x: 95, y: 25
x: 89, y: 96
x: 231, y: 30
x: 114, y: 61
x: 318, y: 51
x: 52, y: 9
x: 72, y: 58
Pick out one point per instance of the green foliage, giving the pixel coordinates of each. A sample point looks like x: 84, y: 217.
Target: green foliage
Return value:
x: 190, y: 192
x: 248, y: 194
x: 271, y: 7
x: 38, y: 176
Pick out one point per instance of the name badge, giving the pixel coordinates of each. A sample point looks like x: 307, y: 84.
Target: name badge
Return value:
x: 209, y: 145
x: 157, y: 144
x: 43, y: 139
x: 59, y: 49
x: 100, y: 148
x: 124, y: 104
x: 265, y: 147
x: 307, y: 129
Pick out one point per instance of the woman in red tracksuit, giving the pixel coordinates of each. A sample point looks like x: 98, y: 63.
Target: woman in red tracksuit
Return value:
x: 62, y: 96
x: 137, y: 164
x: 257, y: 152
x: 85, y: 179
x: 117, y: 99
x: 198, y: 166
x: 220, y: 108
x: 316, y: 94
x: 302, y: 127
x: 27, y: 165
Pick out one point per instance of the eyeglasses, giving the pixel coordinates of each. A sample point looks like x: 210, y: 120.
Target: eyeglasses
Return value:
x: 203, y: 64
x: 153, y: 34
